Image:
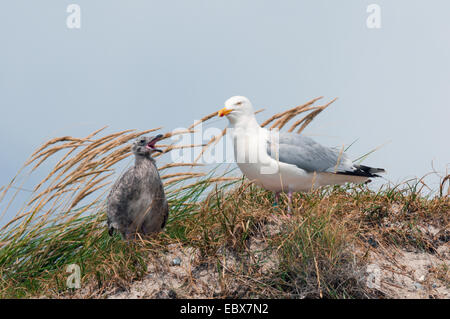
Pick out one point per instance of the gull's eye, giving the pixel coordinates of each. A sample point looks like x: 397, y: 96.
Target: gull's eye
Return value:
x: 142, y: 141
x: 238, y: 103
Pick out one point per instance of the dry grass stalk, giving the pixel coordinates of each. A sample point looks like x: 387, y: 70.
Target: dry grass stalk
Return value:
x: 170, y: 165
x: 177, y: 147
x: 441, y: 187
x: 279, y: 115
x: 182, y: 178
x: 308, y: 118
x: 178, y: 174
x: 203, y: 119
x: 215, y: 180
x: 211, y: 142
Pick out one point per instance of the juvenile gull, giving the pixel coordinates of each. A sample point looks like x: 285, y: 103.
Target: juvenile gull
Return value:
x: 286, y: 162
x: 137, y: 202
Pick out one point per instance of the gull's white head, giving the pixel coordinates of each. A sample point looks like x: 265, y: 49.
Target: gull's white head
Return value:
x: 237, y: 108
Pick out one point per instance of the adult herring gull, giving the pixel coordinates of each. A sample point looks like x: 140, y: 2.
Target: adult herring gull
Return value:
x: 286, y: 162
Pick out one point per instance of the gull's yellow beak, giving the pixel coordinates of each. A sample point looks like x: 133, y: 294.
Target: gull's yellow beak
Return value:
x: 224, y: 111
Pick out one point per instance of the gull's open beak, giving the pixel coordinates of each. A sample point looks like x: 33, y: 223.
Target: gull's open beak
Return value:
x: 224, y: 111
x: 151, y: 145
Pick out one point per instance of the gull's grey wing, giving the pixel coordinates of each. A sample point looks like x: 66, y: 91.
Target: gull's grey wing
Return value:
x: 122, y: 193
x: 307, y: 154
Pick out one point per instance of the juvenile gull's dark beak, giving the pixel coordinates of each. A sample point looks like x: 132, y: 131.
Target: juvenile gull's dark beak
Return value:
x: 152, y: 143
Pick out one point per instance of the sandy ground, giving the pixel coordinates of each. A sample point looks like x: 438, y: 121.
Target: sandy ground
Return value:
x: 180, y: 273
x: 403, y: 274
x: 398, y: 274
x: 395, y: 273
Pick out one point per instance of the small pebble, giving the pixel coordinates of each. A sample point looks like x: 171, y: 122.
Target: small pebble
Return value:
x: 417, y: 285
x: 172, y: 294
x: 372, y: 242
x: 176, y: 261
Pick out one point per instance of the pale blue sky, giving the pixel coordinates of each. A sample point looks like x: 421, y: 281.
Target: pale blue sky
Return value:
x: 143, y: 64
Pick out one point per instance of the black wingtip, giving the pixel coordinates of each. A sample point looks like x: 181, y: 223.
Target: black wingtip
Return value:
x: 365, y: 171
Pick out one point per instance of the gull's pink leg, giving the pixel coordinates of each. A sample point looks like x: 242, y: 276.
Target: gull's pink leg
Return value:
x: 289, y: 202
x: 277, y: 197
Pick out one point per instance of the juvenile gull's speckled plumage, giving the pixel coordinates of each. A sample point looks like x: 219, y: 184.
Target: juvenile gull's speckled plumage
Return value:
x: 137, y: 202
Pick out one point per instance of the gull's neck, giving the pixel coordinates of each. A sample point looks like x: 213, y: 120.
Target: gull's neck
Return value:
x: 143, y: 160
x: 247, y: 123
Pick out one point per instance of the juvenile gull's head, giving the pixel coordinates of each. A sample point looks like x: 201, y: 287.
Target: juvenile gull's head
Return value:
x: 145, y: 145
